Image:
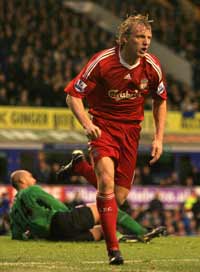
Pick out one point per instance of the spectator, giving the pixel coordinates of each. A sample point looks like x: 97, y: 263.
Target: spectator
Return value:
x: 146, y: 176
x: 4, y: 204
x: 174, y: 178
x: 190, y: 201
x: 43, y: 172
x: 189, y: 182
x: 189, y: 107
x: 54, y: 167
x: 180, y: 229
x: 196, y: 212
x: 3, y: 97
x: 156, y: 204
x: 4, y: 214
x: 196, y: 175
x: 23, y: 99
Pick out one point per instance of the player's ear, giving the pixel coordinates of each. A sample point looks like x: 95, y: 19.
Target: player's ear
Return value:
x: 22, y: 182
x: 124, y: 39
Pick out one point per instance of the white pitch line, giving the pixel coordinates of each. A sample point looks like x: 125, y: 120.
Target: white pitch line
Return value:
x: 31, y: 263
x: 175, y: 260
x: 141, y: 261
x: 93, y: 262
x: 44, y: 265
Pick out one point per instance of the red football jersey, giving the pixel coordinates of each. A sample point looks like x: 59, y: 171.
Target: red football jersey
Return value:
x: 116, y: 90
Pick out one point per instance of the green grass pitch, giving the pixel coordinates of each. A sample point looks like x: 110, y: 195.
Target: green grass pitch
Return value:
x: 165, y: 254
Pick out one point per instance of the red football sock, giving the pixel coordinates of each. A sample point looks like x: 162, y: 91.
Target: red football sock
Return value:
x: 83, y: 168
x: 107, y: 208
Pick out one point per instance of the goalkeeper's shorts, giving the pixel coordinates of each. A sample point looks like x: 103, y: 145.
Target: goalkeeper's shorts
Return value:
x: 73, y: 225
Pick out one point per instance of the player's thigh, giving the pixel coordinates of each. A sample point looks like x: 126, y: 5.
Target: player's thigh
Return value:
x: 128, y: 156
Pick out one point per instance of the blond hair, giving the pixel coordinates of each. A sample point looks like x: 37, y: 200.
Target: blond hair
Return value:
x: 126, y: 27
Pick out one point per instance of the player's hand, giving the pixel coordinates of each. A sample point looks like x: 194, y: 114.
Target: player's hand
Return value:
x: 156, y: 151
x: 92, y: 132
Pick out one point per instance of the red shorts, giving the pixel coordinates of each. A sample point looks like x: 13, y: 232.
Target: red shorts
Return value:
x: 120, y: 142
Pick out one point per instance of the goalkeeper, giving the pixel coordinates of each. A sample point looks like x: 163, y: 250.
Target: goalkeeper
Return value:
x: 35, y: 214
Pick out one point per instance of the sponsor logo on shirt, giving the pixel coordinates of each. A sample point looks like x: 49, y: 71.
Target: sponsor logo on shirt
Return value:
x: 80, y: 86
x: 161, y: 88
x: 143, y: 83
x: 121, y: 95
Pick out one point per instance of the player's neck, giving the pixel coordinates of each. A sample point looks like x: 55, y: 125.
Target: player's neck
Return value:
x: 128, y: 57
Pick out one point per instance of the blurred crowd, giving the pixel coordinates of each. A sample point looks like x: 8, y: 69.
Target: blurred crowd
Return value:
x: 188, y: 177
x: 178, y: 171
x: 144, y: 175
x: 43, y: 45
x: 181, y: 221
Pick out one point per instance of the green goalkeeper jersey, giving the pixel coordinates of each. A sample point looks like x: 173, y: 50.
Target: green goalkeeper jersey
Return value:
x: 32, y: 212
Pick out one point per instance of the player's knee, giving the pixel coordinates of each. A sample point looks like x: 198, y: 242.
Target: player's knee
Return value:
x: 105, y: 183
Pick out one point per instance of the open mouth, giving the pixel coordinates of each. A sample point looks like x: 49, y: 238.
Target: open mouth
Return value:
x: 143, y: 50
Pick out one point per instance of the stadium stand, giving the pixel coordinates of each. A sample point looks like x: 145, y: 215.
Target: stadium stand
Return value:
x: 43, y: 45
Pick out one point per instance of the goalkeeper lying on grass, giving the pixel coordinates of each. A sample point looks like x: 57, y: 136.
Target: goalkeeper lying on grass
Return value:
x: 36, y: 214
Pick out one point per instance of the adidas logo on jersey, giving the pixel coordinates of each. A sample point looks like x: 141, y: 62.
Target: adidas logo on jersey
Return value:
x: 128, y: 76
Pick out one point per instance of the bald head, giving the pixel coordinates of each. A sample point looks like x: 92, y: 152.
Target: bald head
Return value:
x: 22, y: 179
